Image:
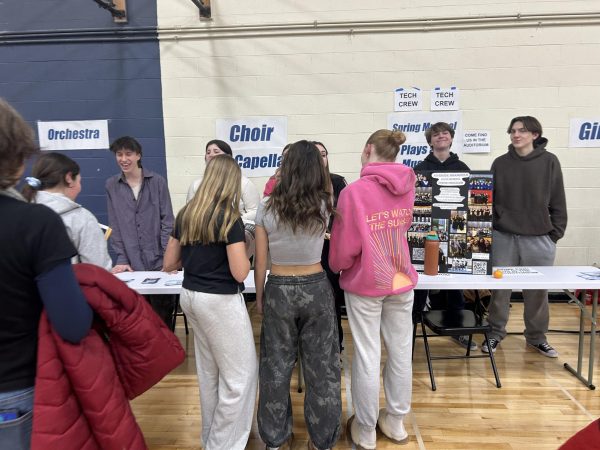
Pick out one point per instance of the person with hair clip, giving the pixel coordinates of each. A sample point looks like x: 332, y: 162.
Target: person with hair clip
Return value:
x: 56, y: 182
x: 298, y: 303
x: 35, y: 274
x: 369, y: 247
x: 208, y: 242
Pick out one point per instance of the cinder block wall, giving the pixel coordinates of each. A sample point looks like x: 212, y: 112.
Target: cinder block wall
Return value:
x: 332, y: 67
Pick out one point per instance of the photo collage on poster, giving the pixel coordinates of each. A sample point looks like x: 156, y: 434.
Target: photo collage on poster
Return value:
x: 458, y: 206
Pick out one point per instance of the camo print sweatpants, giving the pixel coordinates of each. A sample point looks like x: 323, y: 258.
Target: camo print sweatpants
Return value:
x: 299, y: 313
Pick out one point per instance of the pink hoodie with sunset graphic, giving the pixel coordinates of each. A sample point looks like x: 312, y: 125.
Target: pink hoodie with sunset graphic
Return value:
x: 368, y: 240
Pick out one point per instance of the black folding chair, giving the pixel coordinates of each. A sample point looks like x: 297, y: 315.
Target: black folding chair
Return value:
x: 456, y: 323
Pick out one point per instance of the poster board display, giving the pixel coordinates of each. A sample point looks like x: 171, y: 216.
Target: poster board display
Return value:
x: 458, y: 206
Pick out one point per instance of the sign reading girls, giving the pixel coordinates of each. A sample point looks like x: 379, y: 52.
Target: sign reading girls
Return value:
x: 585, y: 133
x: 256, y: 142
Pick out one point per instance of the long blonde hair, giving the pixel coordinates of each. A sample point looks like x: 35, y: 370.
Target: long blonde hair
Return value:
x: 212, y: 212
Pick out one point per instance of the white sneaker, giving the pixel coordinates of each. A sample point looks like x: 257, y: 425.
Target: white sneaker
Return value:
x: 398, y: 435
x: 354, y: 435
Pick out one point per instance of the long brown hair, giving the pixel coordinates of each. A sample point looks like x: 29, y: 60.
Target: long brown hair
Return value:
x: 214, y: 209
x: 303, y: 188
x: 17, y: 144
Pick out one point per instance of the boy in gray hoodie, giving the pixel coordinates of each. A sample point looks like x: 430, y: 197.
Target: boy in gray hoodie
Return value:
x: 530, y: 216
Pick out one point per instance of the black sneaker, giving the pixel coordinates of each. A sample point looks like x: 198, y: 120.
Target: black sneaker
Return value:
x: 545, y: 349
x: 493, y: 344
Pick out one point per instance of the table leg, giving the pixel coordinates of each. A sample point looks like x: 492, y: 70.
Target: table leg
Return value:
x: 589, y: 380
x: 593, y: 339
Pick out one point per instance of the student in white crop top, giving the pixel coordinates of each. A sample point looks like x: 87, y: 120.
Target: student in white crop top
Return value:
x: 297, y: 301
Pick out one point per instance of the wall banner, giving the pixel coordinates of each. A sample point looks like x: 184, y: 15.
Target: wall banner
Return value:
x: 73, y: 135
x: 585, y: 132
x: 256, y: 142
x: 458, y: 206
x: 414, y: 124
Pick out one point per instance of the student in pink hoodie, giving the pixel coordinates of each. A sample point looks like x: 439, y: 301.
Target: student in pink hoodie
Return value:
x: 369, y: 247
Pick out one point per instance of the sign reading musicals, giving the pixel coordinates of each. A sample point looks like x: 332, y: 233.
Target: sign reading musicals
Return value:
x: 256, y: 142
x: 458, y: 206
x: 73, y: 135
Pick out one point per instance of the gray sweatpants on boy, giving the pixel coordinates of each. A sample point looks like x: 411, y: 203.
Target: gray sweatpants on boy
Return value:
x: 299, y: 313
x: 518, y: 250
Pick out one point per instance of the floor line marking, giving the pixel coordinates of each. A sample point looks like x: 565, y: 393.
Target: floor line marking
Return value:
x: 570, y: 396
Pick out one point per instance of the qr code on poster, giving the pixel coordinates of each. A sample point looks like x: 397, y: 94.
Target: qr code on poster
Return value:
x: 479, y: 267
x: 418, y: 254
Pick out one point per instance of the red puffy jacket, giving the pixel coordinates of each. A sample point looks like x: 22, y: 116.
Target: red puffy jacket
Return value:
x: 82, y: 391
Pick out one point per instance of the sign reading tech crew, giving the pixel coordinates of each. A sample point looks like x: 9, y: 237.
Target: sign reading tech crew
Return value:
x: 256, y: 142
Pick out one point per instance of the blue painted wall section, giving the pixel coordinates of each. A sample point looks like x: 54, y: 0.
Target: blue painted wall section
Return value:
x: 68, y: 60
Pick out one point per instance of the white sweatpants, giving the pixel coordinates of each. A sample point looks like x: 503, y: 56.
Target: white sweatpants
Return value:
x: 392, y: 316
x: 226, y: 364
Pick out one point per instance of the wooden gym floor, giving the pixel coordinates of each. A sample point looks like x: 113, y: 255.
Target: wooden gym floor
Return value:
x: 539, y: 406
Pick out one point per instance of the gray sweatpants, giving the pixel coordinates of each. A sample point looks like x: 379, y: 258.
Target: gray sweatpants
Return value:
x: 299, y: 313
x: 517, y: 250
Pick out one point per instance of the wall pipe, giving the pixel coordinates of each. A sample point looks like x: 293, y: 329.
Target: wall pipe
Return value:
x: 206, y: 31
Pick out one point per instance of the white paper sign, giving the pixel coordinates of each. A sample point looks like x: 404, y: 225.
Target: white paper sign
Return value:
x: 414, y: 124
x: 585, y: 132
x: 517, y: 270
x: 408, y: 99
x: 73, y: 135
x: 445, y: 99
x: 256, y: 142
x: 476, y: 141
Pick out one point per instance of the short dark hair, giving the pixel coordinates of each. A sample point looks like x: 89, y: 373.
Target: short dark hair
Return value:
x: 530, y: 123
x: 438, y: 128
x: 17, y: 144
x: 223, y: 146
x: 127, y: 143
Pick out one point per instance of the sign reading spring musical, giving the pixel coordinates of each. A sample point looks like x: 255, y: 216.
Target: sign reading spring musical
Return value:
x: 74, y: 135
x: 458, y: 207
x: 414, y: 125
x: 256, y: 142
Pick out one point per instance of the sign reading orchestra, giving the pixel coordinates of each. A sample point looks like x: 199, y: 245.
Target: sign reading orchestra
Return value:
x: 74, y: 135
